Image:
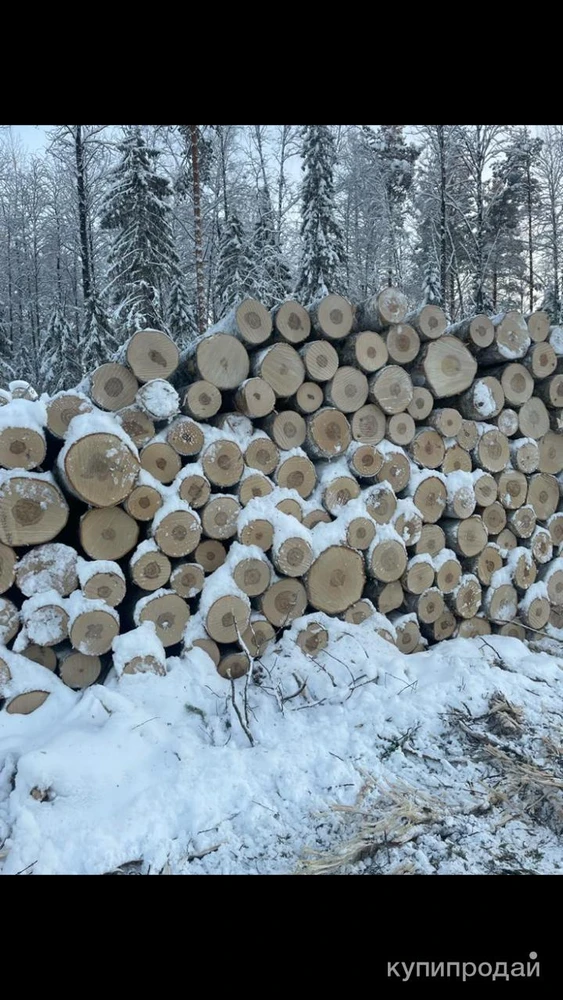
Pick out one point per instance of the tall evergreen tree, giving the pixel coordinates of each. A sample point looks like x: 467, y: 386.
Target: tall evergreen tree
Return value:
x: 233, y: 267
x: 60, y: 362
x: 6, y: 371
x: 432, y: 295
x: 322, y: 260
x: 182, y: 321
x: 270, y: 274
x: 97, y: 340
x: 142, y: 259
x: 552, y: 304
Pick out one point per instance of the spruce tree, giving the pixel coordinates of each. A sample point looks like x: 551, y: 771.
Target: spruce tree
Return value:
x: 432, y: 295
x: 60, y: 366
x: 142, y: 259
x: 181, y: 316
x: 97, y: 340
x: 270, y: 274
x: 6, y: 371
x: 234, y: 266
x: 322, y: 261
x: 552, y: 304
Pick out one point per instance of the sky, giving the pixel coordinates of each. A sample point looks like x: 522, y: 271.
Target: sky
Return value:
x: 33, y: 136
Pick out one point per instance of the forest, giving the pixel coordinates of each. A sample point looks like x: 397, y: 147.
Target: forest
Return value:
x: 112, y: 229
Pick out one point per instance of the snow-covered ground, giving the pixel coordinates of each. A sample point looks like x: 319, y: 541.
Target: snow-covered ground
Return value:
x: 445, y: 762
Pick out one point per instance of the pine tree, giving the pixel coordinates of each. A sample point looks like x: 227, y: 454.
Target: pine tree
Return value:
x: 143, y: 259
x: 270, y: 279
x: 322, y: 261
x: 97, y: 340
x: 181, y: 316
x: 60, y: 362
x: 432, y: 294
x: 234, y: 266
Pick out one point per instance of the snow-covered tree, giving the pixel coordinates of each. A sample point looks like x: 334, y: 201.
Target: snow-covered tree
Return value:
x: 322, y: 254
x: 6, y: 372
x: 552, y: 304
x: 142, y: 259
x: 233, y: 267
x: 97, y: 340
x: 60, y: 356
x: 270, y: 279
x: 432, y: 295
x: 182, y: 321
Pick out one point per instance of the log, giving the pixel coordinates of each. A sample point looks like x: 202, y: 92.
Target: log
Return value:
x: 292, y: 554
x: 551, y: 392
x: 473, y: 628
x: 185, y: 437
x: 408, y: 523
x: 313, y: 640
x: 258, y: 636
x: 543, y: 495
x: 315, y: 517
x: 493, y: 451
x: 113, y: 387
x: 32, y: 509
x: 339, y: 492
x: 253, y: 575
x: 10, y: 622
x: 321, y: 360
x: 223, y: 463
x: 292, y: 322
x: 45, y: 656
x: 233, y: 665
x: 507, y: 422
x: 382, y: 310
x: 187, y: 580
x: 408, y: 634
x: 332, y: 317
x: 202, y: 400
x: 465, y: 601
x: 461, y: 501
x: 211, y: 554
x: 336, y: 580
x: 401, y: 429
x: 253, y: 486
x: 429, y: 322
x: 284, y: 602
x: 249, y: 321
x: 429, y: 494
x: 22, y: 439
x: 448, y: 571
x: 541, y: 545
x: 517, y: 383
x: 359, y: 613
x: 20, y: 389
x: 428, y: 448
x: 396, y: 468
x: 391, y: 389
x: 290, y: 507
x: 139, y: 652
x: 64, y: 407
x: 538, y: 326
x: 456, y: 459
x: 448, y: 367
x: 45, y: 619
x: 150, y: 568
x: 262, y: 455
x: 328, y: 434
x: 466, y: 538
x: 158, y: 399
x: 152, y: 354
x: 309, y: 398
x: 258, y: 532
x: 390, y: 598
x: 161, y: 461
x: 512, y: 489
x: 541, y: 361
x: 512, y: 339
x: 468, y: 435
x: 507, y: 540
x: 522, y: 522
x: 446, y: 421
x: 432, y: 539
x: 288, y: 429
x: 418, y: 576
x: 348, y: 390
x: 46, y: 567
x: 428, y: 606
x: 297, y: 473
x: 525, y: 455
x: 360, y: 533
x: 533, y: 419
x: 99, y: 468
x: 108, y: 533
x: 381, y: 503
x: 477, y: 333
x: 102, y: 581
x: 555, y: 528
x: 255, y: 398
x: 137, y: 425
x: 500, y: 603
x: 403, y: 344
x: 387, y: 560
x: 219, y: 518
x: 523, y: 569
x: 282, y: 368
x: 369, y: 425
x: 482, y: 401
x: 422, y: 404
x: 364, y: 461
x: 169, y: 613
x: 176, y: 529
x: 8, y: 560
x: 222, y: 361
x: 494, y: 518
x: 443, y: 628
x: 143, y: 503
x: 25, y: 704
x: 534, y: 610
x: 79, y: 671
x: 552, y: 578
x: 366, y: 351
x: 551, y: 453
x: 486, y: 564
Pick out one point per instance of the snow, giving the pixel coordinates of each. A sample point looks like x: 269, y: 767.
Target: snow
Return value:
x: 57, y: 563
x: 159, y: 399
x: 95, y: 422
x: 158, y: 769
x: 484, y: 399
x: 86, y: 570
x: 42, y: 624
x: 172, y: 505
x: 556, y: 340
x: 24, y: 413
x: 140, y: 641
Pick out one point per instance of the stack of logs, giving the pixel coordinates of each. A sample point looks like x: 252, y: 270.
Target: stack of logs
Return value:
x: 360, y: 462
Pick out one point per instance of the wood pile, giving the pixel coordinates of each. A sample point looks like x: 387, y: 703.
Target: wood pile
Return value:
x: 360, y: 462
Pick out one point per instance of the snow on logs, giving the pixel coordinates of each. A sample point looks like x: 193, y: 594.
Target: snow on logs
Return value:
x: 363, y: 462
